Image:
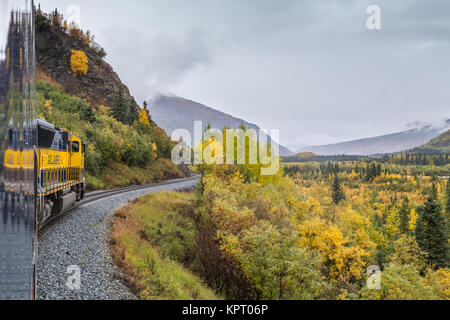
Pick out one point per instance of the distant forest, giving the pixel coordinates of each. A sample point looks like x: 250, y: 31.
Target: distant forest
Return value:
x: 438, y: 159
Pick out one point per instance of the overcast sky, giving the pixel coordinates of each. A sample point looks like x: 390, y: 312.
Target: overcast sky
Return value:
x: 308, y: 67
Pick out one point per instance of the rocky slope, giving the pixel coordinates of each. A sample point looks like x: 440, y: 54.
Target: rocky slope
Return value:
x: 119, y: 152
x: 53, y: 51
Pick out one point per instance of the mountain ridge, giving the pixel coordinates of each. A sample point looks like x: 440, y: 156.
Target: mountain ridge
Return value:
x: 172, y: 112
x: 389, y: 143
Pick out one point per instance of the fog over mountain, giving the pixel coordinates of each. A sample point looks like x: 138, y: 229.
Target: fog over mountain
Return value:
x: 390, y: 143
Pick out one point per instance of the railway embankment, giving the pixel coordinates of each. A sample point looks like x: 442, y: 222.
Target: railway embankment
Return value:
x: 74, y: 260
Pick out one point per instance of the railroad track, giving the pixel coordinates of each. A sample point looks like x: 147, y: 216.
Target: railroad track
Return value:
x: 98, y: 195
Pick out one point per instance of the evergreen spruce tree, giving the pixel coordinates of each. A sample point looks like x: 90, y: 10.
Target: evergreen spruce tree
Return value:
x: 447, y: 195
x: 336, y: 168
x: 373, y: 171
x: 120, y: 106
x: 368, y: 172
x: 336, y: 191
x: 404, y: 216
x: 132, y: 112
x: 378, y: 169
x: 145, y: 104
x: 431, y: 231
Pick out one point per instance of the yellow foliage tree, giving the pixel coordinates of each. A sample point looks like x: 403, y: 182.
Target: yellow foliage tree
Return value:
x: 79, y: 62
x: 343, y: 261
x: 393, y: 223
x: 104, y: 110
x: 46, y: 110
x: 143, y: 117
x: 154, y: 149
x: 440, y: 281
x: 413, y: 220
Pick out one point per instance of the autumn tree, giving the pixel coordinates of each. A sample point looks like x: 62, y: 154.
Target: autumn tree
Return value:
x: 341, y: 260
x: 431, y: 231
x: 75, y: 32
x: 401, y: 282
x: 79, y: 62
x: 143, y: 117
x: 277, y: 267
x: 86, y: 38
x: 407, y: 252
x: 392, y: 223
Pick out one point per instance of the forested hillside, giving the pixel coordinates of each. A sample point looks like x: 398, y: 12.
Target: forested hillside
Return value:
x: 441, y: 144
x: 78, y: 91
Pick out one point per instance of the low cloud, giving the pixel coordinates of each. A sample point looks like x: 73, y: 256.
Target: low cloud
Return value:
x: 153, y: 62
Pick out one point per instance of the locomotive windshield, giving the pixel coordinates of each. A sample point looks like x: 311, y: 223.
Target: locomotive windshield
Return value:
x: 49, y: 138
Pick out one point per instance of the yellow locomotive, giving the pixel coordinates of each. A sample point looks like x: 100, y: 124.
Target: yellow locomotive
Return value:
x: 60, y: 170
x: 57, y: 163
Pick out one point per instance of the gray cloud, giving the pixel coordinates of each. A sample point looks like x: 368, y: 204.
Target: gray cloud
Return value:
x: 156, y: 61
x: 308, y: 67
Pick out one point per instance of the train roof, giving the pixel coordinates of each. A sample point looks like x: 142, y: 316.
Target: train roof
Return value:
x: 49, y: 126
x: 46, y: 124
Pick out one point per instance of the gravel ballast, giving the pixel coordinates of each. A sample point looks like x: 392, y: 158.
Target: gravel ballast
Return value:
x: 81, y: 240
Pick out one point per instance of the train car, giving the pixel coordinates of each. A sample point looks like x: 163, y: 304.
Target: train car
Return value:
x: 60, y: 170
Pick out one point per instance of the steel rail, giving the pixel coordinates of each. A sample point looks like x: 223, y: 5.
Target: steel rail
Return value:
x: 95, y: 196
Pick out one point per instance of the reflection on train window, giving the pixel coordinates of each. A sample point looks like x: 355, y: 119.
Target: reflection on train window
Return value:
x: 75, y: 147
x: 45, y: 138
x: 52, y: 138
x: 13, y: 139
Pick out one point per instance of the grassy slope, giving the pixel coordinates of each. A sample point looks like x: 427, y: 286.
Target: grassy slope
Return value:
x: 153, y: 241
x: 117, y: 154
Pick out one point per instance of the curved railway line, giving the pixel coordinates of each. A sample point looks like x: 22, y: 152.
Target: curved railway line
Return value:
x: 98, y: 195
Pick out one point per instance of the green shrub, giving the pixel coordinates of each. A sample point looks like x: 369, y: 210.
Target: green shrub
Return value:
x: 42, y: 24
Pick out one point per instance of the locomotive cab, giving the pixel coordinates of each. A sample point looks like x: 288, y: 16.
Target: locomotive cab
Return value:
x: 60, y: 157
